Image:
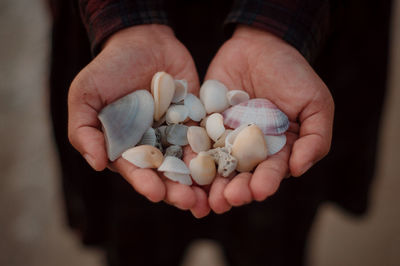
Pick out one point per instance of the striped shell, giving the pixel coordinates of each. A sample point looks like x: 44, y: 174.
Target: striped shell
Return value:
x: 261, y: 112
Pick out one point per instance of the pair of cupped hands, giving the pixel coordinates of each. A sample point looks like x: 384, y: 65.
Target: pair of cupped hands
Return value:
x: 252, y: 60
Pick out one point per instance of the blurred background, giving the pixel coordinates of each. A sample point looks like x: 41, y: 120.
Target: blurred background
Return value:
x: 32, y: 226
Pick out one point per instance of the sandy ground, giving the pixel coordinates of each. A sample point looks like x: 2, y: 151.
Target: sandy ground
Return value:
x: 32, y: 228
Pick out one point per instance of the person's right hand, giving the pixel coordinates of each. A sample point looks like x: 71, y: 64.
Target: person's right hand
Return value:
x: 127, y: 63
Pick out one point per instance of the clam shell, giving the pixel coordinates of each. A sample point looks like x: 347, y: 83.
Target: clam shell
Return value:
x: 180, y: 178
x: 261, y: 112
x: 202, y: 169
x: 275, y: 143
x: 215, y: 126
x: 173, y: 165
x: 163, y: 89
x: 198, y: 139
x: 149, y: 138
x: 176, y: 114
x: 195, y: 107
x: 249, y: 148
x: 230, y: 138
x: 175, y: 151
x: 125, y: 121
x: 226, y: 162
x: 213, y: 96
x: 177, y: 134
x: 144, y: 156
x: 237, y: 96
x: 221, y: 140
x: 181, y: 87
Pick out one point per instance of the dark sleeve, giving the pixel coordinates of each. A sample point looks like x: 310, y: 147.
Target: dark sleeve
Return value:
x: 301, y: 23
x: 102, y: 18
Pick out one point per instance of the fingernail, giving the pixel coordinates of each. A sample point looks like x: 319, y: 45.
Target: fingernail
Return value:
x: 89, y: 159
x: 305, y: 169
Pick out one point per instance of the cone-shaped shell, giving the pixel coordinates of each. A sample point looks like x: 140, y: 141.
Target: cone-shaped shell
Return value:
x: 202, y: 169
x: 249, y: 148
x: 261, y: 112
x: 163, y: 90
x: 144, y: 156
x: 213, y: 96
x: 125, y: 121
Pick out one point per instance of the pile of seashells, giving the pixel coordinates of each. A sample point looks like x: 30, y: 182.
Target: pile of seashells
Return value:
x: 148, y: 130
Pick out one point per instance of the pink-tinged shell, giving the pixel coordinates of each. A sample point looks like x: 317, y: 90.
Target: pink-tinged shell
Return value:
x: 261, y: 112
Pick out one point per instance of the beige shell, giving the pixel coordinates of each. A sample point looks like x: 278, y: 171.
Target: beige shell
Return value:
x: 220, y: 143
x: 202, y: 169
x: 215, y: 126
x: 176, y: 114
x: 213, y: 96
x: 163, y: 89
x: 237, y: 96
x: 249, y: 148
x: 198, y: 139
x: 144, y: 156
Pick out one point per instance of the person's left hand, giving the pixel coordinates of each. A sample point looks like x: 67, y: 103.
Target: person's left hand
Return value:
x: 267, y: 67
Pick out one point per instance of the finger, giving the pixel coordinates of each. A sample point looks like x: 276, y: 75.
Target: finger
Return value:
x: 314, y: 139
x: 237, y: 192
x: 216, y: 198
x: 179, y: 195
x: 201, y: 208
x: 144, y: 181
x: 269, y: 174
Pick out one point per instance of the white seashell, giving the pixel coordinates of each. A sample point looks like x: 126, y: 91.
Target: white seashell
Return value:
x: 275, y: 143
x: 173, y: 165
x: 237, y: 96
x: 177, y: 134
x: 221, y: 140
x: 198, y: 139
x: 180, y: 178
x: 213, y: 96
x: 195, y: 106
x: 202, y: 169
x: 226, y: 162
x: 215, y: 126
x: 163, y: 89
x: 176, y: 114
x: 261, y: 112
x: 230, y: 138
x: 144, y: 156
x: 125, y: 121
x: 175, y: 151
x: 249, y: 148
x: 181, y: 87
x: 149, y: 138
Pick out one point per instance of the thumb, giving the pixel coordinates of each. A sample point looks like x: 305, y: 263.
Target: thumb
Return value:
x: 83, y: 124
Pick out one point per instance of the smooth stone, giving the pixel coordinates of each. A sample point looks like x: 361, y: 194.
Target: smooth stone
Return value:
x: 249, y: 148
x: 195, y: 107
x: 213, y: 96
x: 163, y: 90
x: 202, y: 169
x: 125, y: 121
x: 144, y: 156
x: 177, y: 134
x: 198, y: 139
x: 215, y: 126
x: 175, y: 151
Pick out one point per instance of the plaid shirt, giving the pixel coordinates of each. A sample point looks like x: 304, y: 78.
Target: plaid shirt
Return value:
x: 302, y: 23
